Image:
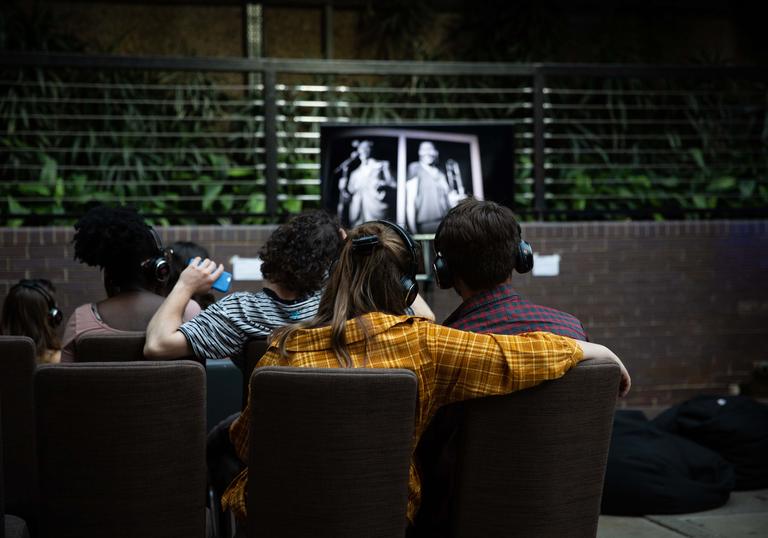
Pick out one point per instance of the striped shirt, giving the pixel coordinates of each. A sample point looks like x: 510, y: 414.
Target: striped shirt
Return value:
x: 222, y: 329
x: 450, y: 366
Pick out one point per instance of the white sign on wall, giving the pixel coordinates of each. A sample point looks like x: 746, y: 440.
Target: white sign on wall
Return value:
x: 546, y: 265
x: 246, y: 268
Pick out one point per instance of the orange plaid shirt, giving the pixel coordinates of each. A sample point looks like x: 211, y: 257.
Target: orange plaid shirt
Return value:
x: 450, y: 365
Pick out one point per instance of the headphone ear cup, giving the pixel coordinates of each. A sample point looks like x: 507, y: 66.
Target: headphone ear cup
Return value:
x: 411, y: 288
x: 443, y: 274
x: 162, y: 269
x: 55, y: 316
x: 524, y: 257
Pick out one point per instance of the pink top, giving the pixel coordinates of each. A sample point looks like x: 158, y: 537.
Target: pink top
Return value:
x: 84, y: 320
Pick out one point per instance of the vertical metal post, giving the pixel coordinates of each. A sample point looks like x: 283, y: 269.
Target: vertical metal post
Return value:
x: 270, y: 139
x: 328, y: 31
x: 253, y: 36
x: 540, y: 203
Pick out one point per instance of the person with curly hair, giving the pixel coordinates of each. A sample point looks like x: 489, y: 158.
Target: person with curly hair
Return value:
x: 30, y: 310
x: 295, y: 266
x: 135, y: 268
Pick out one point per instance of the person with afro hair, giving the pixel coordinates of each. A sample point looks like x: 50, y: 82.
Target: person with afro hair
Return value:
x: 134, y: 266
x: 295, y: 263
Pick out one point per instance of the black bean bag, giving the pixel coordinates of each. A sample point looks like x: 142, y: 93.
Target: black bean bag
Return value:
x: 736, y: 427
x: 651, y: 471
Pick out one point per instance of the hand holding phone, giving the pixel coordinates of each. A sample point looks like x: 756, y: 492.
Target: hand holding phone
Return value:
x: 222, y: 283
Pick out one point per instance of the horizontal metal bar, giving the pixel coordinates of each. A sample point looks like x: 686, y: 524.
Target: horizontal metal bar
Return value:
x: 557, y: 91
x: 178, y: 150
x: 136, y: 117
x: 160, y: 168
x: 170, y: 134
x: 407, y: 105
x: 327, y: 67
x: 650, y: 121
x: 652, y: 180
x: 153, y: 184
x: 374, y: 67
x: 106, y: 101
x: 644, y: 196
x: 643, y: 166
x: 643, y: 151
x: 610, y: 107
x: 654, y: 71
x: 140, y: 86
x: 344, y: 90
x: 631, y: 136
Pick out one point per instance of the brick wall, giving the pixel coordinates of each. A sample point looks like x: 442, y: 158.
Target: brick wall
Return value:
x: 685, y: 304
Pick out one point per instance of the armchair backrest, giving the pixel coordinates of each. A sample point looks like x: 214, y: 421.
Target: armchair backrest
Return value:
x: 125, y: 347
x: 121, y: 449
x: 330, y: 451
x: 17, y: 368
x: 532, y: 463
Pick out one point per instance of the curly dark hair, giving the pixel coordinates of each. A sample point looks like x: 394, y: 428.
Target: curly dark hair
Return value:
x: 115, y: 239
x: 299, y: 253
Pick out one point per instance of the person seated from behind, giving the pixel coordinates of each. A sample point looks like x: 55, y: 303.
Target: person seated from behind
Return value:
x: 478, y: 246
x: 30, y: 310
x: 360, y: 323
x: 295, y: 262
x: 135, y: 268
x: 181, y: 252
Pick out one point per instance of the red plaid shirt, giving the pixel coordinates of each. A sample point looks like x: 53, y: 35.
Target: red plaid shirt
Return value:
x: 502, y: 311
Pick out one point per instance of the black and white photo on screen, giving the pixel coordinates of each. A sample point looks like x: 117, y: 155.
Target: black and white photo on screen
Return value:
x: 409, y: 176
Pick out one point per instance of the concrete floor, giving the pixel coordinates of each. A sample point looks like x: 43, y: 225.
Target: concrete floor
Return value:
x: 745, y: 515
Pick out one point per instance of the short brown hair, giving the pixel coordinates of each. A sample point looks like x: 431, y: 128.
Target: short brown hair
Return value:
x: 479, y: 240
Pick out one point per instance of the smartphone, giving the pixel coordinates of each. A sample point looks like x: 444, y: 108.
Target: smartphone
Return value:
x: 222, y: 283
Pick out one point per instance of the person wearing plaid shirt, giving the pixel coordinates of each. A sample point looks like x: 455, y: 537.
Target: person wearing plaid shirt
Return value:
x: 359, y: 323
x: 479, y: 245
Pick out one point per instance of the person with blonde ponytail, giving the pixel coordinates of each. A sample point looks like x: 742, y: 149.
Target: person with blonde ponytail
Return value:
x: 360, y: 323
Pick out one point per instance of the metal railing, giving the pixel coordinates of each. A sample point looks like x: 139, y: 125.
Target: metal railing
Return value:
x: 187, y: 139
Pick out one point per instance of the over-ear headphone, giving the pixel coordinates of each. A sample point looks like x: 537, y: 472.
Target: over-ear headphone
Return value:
x: 365, y: 244
x: 55, y: 316
x: 444, y: 275
x: 157, y: 266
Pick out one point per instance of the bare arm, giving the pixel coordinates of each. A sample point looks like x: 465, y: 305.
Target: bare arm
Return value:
x: 596, y: 351
x: 421, y: 308
x: 164, y: 340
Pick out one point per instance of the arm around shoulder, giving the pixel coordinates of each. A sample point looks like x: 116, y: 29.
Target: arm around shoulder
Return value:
x: 596, y: 351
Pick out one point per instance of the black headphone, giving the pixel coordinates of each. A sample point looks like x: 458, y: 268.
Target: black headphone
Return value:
x: 366, y: 244
x: 157, y: 266
x: 55, y: 316
x: 444, y: 276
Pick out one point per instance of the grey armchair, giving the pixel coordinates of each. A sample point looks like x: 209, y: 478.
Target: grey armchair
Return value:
x: 532, y: 463
x: 121, y: 449
x: 17, y: 368
x: 329, y: 452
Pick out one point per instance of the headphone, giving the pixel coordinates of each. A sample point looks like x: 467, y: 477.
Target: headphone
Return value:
x: 55, y: 316
x: 366, y: 244
x: 157, y: 266
x: 444, y: 275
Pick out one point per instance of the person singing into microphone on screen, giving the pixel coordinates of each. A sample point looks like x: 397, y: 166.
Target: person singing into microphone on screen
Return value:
x: 365, y: 193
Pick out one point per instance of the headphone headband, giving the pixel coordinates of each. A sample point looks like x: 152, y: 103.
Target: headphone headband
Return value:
x: 367, y: 243
x: 157, y: 265
x: 413, y: 266
x: 444, y: 276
